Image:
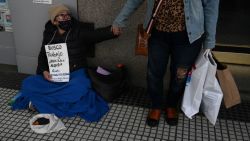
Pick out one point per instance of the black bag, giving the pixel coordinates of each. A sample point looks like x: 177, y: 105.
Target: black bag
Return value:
x: 110, y: 86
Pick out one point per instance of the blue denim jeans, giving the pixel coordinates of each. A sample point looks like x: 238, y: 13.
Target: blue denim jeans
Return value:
x: 182, y: 54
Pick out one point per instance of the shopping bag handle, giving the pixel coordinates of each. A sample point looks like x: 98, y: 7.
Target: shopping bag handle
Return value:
x: 208, y: 54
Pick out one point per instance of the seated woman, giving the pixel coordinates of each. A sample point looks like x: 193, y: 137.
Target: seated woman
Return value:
x: 65, y: 99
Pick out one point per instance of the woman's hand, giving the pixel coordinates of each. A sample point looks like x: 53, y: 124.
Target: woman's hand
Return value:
x: 47, y: 75
x: 116, y: 30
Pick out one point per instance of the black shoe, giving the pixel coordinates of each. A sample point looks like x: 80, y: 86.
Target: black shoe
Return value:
x: 171, y: 116
x: 153, y: 117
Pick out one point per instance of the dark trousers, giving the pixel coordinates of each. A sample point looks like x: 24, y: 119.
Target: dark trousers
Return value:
x: 176, y: 46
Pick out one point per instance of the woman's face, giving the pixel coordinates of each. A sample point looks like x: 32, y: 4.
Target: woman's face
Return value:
x: 63, y: 16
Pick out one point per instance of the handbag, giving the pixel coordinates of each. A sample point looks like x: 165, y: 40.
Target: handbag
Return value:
x: 229, y: 88
x: 143, y: 35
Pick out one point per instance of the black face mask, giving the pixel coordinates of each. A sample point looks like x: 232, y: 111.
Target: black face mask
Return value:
x: 65, y: 25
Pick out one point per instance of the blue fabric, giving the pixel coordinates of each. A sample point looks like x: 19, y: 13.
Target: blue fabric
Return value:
x: 63, y: 99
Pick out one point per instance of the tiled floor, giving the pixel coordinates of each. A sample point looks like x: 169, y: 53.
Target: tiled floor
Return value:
x: 125, y: 121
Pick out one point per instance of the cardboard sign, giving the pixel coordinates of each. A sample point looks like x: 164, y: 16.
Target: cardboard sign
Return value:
x: 58, y: 62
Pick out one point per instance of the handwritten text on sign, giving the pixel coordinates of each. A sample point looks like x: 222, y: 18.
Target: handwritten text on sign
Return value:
x: 58, y: 62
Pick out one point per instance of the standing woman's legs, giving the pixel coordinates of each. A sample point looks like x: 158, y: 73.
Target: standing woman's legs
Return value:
x: 157, y: 63
x: 183, y: 57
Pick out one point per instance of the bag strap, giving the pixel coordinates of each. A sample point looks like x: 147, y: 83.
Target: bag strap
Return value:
x: 152, y: 18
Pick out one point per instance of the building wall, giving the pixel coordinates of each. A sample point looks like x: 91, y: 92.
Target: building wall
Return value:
x: 7, y: 48
x: 29, y: 19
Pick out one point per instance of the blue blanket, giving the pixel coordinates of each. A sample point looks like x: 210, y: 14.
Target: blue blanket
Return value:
x: 63, y: 99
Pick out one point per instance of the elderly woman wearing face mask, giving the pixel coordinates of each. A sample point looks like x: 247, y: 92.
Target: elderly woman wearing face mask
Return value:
x: 65, y: 99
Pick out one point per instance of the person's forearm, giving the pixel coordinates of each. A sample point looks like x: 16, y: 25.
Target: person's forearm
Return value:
x: 129, y: 7
x: 211, y: 8
x: 102, y: 34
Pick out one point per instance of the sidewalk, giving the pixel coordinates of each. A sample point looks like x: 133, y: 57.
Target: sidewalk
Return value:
x: 125, y: 121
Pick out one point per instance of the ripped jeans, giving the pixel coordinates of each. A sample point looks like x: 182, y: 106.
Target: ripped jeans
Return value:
x: 182, y: 54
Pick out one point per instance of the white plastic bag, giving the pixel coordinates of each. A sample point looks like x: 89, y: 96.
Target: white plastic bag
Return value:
x: 212, y: 93
x: 194, y: 85
x: 55, y: 124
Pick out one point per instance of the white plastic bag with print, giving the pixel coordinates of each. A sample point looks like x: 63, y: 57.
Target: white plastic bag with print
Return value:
x: 54, y: 125
x: 212, y: 93
x: 194, y: 85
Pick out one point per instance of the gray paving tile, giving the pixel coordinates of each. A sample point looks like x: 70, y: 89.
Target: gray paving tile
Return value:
x: 123, y: 122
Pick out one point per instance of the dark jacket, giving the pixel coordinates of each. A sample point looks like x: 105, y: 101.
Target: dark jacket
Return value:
x: 80, y: 40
